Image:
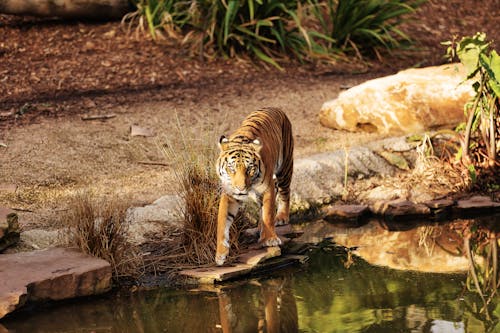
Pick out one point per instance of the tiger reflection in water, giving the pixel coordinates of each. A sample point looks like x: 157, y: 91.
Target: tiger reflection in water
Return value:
x: 275, y: 312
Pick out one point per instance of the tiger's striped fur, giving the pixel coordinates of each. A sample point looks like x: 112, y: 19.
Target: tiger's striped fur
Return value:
x: 256, y: 161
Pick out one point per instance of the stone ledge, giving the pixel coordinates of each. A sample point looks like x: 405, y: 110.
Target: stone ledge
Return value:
x: 403, y: 210
x: 52, y: 274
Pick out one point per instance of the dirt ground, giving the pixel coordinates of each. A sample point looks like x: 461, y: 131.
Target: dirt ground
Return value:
x: 53, y: 73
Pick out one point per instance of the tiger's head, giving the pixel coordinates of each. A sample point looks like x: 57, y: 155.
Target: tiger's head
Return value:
x: 239, y: 166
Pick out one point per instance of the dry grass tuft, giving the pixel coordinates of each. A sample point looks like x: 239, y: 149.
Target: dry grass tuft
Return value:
x: 436, y: 174
x: 98, y: 228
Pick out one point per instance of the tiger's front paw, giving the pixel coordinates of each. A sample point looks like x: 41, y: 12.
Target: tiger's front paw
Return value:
x: 221, y: 255
x: 220, y: 259
x: 271, y: 241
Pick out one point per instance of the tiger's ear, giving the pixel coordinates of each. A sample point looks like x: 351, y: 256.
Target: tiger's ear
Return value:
x: 223, y: 141
x: 257, y: 145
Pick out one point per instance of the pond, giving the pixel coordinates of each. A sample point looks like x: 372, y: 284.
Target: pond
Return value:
x: 334, y: 292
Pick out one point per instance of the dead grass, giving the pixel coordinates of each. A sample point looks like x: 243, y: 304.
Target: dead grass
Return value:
x: 98, y: 228
x: 437, y: 173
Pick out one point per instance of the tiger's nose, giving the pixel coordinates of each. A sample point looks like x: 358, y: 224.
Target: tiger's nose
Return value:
x: 240, y: 189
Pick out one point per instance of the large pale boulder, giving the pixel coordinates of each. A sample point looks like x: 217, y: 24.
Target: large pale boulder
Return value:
x: 410, y: 101
x: 52, y: 274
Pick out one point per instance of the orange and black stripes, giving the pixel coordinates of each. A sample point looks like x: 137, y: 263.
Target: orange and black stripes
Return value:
x: 256, y: 160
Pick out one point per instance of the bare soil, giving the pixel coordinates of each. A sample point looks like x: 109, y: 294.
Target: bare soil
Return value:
x: 55, y: 72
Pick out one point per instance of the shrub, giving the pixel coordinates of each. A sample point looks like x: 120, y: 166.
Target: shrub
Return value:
x: 168, y: 16
x: 363, y: 25
x: 481, y: 133
x: 272, y: 30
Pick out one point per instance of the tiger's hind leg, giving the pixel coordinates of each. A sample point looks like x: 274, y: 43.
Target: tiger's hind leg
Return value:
x: 283, y: 214
x: 283, y: 196
x: 268, y: 235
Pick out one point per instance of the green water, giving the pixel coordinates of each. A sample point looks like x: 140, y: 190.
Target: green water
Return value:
x: 323, y: 296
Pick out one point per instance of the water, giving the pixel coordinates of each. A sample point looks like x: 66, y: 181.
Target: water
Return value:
x: 324, y: 296
x: 333, y: 292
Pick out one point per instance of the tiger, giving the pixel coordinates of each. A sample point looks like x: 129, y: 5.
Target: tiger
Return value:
x: 255, y: 162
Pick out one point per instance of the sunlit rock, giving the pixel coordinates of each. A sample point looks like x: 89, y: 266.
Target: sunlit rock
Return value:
x: 410, y: 101
x: 383, y: 193
x: 52, y: 274
x: 9, y: 228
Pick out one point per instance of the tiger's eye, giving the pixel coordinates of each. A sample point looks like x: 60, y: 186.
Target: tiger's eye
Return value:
x: 230, y: 168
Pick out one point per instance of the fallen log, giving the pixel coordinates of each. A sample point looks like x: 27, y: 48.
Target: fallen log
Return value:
x: 81, y: 9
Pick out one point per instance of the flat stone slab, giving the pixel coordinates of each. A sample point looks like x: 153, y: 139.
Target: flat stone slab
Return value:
x: 51, y: 274
x: 210, y: 275
x: 439, y: 204
x: 281, y: 230
x: 248, y: 262
x: 255, y: 257
x: 334, y: 213
x: 400, y: 208
x: 478, y: 202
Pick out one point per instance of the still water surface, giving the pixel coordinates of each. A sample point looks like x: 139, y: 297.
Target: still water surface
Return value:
x: 323, y: 296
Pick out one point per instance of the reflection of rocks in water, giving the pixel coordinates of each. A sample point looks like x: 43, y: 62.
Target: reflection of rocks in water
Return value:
x: 428, y: 248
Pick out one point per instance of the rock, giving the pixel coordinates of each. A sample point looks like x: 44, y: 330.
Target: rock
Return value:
x: 335, y: 213
x: 52, y: 274
x: 395, y: 159
x: 255, y: 257
x: 440, y: 208
x: 440, y: 203
x: 211, y: 275
x: 83, y: 10
x: 410, y: 101
x: 400, y: 209
x: 476, y: 204
x: 9, y: 228
x: 383, y: 193
x: 141, y: 131
x: 285, y: 230
x: 162, y: 214
x: 38, y: 239
x: 318, y: 178
x: 257, y: 260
